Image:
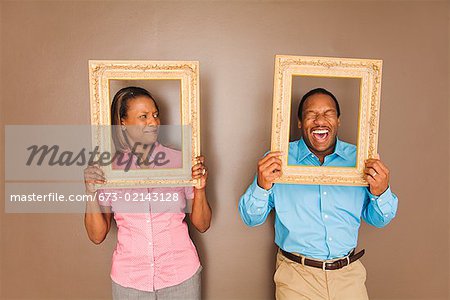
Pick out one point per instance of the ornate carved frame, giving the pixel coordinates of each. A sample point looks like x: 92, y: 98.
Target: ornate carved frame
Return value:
x: 369, y: 72
x: 100, y: 74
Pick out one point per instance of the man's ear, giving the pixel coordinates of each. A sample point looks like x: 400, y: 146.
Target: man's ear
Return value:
x: 299, y: 124
x: 339, y: 122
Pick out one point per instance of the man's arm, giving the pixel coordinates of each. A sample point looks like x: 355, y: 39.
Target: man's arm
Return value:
x: 255, y: 205
x: 380, y: 210
x: 381, y: 204
x: 257, y: 202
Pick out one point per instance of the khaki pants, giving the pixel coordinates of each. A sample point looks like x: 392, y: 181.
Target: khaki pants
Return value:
x: 296, y: 281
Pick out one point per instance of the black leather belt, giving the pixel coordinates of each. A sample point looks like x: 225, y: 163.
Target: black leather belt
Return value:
x: 335, y: 265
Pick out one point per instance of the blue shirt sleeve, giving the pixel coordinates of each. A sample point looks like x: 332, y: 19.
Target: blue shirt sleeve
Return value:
x: 380, y: 210
x: 255, y: 205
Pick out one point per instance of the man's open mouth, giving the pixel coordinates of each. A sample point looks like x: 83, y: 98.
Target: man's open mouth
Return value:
x: 320, y: 134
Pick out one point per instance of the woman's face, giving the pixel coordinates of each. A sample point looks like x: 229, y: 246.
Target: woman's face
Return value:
x: 141, y: 121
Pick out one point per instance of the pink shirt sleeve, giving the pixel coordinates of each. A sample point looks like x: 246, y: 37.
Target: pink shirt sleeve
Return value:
x: 189, y: 192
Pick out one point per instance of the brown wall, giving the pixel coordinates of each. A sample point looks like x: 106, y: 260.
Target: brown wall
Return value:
x: 44, y: 80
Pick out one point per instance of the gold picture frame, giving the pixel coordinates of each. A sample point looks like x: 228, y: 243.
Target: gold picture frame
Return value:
x: 369, y: 73
x: 101, y: 72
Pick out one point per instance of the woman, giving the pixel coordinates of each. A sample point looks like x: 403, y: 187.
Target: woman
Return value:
x: 154, y: 257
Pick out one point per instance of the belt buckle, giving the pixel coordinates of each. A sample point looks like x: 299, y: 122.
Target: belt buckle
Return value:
x: 340, y: 262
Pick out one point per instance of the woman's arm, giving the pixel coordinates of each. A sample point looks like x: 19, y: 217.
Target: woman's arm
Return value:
x: 97, y: 219
x: 201, y: 211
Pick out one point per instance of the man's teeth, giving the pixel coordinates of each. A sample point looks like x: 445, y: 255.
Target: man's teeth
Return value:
x: 320, y: 131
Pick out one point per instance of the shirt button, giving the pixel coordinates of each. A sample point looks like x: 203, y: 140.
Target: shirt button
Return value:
x: 330, y: 239
x: 148, y: 221
x: 324, y: 193
x: 386, y: 215
x: 150, y: 243
x: 326, y: 216
x: 372, y: 198
x: 152, y: 265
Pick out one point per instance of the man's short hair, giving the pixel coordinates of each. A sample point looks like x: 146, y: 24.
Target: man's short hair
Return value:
x: 314, y: 92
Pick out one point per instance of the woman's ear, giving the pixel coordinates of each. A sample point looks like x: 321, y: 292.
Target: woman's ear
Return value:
x: 122, y: 125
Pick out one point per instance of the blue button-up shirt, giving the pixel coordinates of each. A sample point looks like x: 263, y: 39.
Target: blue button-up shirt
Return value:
x: 318, y: 221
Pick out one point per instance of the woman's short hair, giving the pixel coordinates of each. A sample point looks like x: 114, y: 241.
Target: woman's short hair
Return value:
x: 119, y: 109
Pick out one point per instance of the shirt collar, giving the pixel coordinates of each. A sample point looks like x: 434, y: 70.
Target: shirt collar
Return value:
x: 303, y: 150
x: 339, y: 149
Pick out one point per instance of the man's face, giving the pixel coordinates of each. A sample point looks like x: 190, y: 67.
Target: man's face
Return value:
x: 319, y: 124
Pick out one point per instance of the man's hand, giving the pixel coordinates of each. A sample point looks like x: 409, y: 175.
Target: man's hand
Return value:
x: 269, y: 169
x: 377, y: 175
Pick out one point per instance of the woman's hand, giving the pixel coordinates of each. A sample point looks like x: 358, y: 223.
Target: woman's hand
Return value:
x: 200, y: 172
x: 96, y: 220
x: 201, y: 212
x: 93, y: 175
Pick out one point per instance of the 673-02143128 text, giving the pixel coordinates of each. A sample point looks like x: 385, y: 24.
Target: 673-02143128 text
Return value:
x: 138, y: 197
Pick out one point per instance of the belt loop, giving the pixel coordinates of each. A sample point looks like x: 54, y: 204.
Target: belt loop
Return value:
x: 324, y: 265
x: 348, y: 260
x: 302, y: 260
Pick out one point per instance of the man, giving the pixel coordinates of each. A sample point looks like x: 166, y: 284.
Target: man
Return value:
x: 316, y: 226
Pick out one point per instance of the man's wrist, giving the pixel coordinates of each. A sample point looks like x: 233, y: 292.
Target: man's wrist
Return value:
x: 261, y: 193
x: 261, y: 186
x: 379, y: 194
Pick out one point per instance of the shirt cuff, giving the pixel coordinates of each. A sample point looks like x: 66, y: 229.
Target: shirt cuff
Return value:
x: 383, y: 201
x: 261, y: 193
